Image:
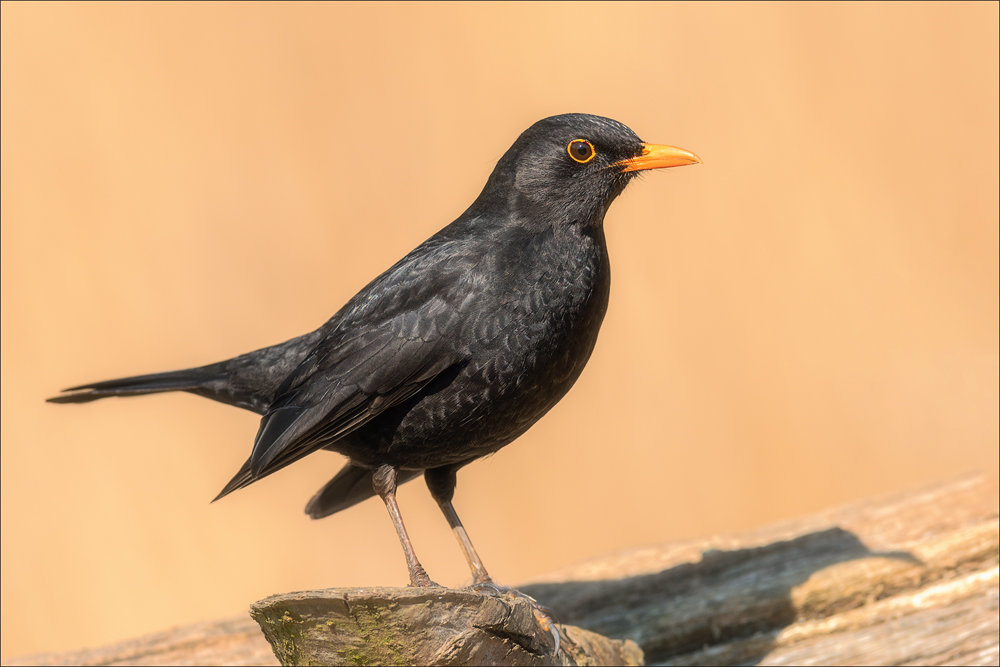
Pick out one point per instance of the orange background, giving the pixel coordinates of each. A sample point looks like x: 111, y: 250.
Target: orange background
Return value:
x: 809, y: 318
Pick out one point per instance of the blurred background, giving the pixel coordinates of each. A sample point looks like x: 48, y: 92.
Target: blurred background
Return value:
x: 808, y: 319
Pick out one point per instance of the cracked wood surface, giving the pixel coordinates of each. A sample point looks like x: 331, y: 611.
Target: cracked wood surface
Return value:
x: 910, y: 579
x: 424, y: 626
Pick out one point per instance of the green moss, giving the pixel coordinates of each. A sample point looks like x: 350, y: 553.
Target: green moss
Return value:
x: 285, y: 636
x: 370, y: 633
x: 380, y: 644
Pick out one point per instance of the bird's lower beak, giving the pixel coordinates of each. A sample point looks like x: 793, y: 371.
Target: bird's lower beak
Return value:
x: 658, y: 156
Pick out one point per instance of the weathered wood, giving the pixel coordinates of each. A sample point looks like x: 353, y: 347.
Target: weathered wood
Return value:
x: 233, y: 641
x: 911, y: 579
x: 424, y: 626
x: 905, y: 580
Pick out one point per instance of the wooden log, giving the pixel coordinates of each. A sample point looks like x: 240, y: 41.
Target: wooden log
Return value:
x: 911, y: 579
x: 424, y: 626
x: 232, y: 641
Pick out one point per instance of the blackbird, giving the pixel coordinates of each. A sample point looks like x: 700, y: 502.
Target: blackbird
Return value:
x: 454, y: 351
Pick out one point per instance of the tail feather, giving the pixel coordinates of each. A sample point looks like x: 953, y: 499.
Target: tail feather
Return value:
x: 186, y: 380
x: 249, y: 381
x: 243, y: 477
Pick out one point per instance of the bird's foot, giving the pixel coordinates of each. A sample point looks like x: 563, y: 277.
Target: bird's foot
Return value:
x: 419, y: 579
x: 545, y: 616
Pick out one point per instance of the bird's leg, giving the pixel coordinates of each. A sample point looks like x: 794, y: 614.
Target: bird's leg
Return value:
x: 441, y: 482
x: 384, y: 482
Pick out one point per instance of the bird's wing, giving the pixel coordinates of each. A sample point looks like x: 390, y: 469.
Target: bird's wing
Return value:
x: 361, y: 369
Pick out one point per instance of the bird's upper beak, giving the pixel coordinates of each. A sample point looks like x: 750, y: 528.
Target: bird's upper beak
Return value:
x: 658, y: 156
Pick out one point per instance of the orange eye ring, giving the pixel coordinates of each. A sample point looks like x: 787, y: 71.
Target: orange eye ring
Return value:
x: 581, y: 151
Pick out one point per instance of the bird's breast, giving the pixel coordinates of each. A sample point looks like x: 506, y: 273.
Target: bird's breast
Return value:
x: 528, y: 342
x: 524, y: 339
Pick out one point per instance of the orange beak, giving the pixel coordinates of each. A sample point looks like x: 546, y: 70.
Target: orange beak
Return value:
x: 658, y: 156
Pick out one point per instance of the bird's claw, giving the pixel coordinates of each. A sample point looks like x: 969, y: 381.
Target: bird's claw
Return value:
x: 419, y: 579
x: 491, y: 587
x: 548, y: 624
x: 424, y: 582
x: 545, y: 616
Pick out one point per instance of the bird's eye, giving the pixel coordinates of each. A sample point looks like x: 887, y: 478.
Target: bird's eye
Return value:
x: 581, y: 150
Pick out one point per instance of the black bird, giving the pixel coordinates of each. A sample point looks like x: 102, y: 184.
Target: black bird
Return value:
x: 453, y: 352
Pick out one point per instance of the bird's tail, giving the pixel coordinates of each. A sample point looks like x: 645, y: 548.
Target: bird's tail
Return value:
x: 249, y: 381
x: 348, y: 488
x: 190, y: 379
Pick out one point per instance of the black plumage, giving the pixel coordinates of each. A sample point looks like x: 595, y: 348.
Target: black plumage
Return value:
x: 454, y: 351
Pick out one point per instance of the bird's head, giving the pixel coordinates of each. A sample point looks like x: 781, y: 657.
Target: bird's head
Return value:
x: 568, y: 169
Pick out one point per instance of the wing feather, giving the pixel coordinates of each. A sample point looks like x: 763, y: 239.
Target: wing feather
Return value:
x: 337, y: 392
x: 391, y: 340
